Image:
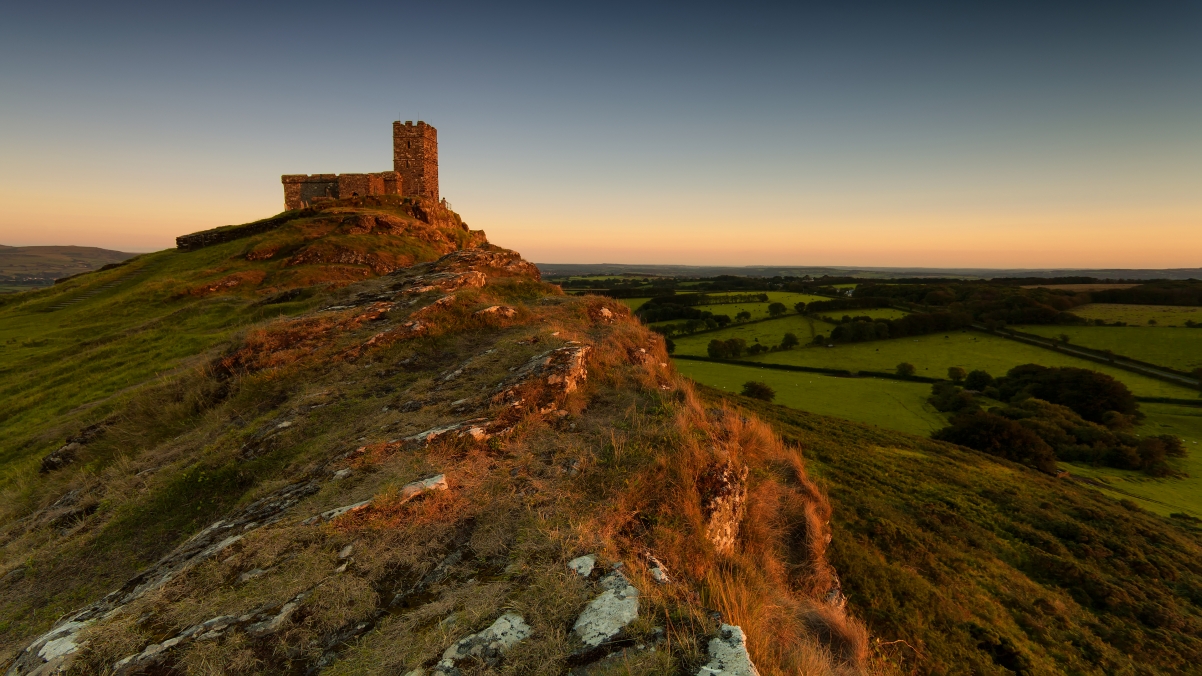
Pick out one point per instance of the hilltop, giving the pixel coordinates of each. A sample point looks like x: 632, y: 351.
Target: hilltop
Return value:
x: 359, y: 438
x: 364, y: 438
x: 26, y: 267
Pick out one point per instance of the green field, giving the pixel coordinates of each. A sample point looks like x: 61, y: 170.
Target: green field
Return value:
x: 1178, y: 348
x: 1163, y: 496
x: 633, y: 303
x: 875, y: 313
x: 1165, y: 315
x: 768, y: 333
x: 930, y: 354
x: 891, y: 404
x: 757, y: 310
x: 903, y: 406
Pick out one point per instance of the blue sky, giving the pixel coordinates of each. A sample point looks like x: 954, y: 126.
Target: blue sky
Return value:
x: 953, y: 134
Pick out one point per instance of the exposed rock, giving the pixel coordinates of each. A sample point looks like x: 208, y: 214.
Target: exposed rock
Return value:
x: 65, y: 455
x: 59, y: 642
x: 723, y: 489
x: 496, y: 311
x: 487, y: 645
x: 346, y: 552
x: 331, y: 514
x: 658, y: 571
x: 728, y: 654
x: 608, y: 614
x: 583, y: 565
x: 546, y: 379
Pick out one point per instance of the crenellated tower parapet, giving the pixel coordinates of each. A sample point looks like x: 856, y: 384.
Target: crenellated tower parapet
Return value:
x: 415, y: 158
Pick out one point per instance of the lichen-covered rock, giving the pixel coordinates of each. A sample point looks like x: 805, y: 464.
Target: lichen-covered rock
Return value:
x: 496, y: 311
x: 545, y: 380
x: 608, y: 614
x: 723, y: 489
x: 486, y: 645
x: 582, y: 565
x: 728, y: 654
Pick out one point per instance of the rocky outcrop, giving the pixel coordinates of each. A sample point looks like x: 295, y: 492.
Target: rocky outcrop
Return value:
x: 487, y: 645
x: 546, y: 379
x: 53, y: 650
x: 723, y: 489
x: 728, y: 654
x: 66, y: 453
x: 608, y: 614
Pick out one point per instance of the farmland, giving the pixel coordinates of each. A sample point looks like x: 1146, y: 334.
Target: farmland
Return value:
x: 931, y: 355
x: 1163, y: 315
x: 890, y: 404
x: 1178, y: 348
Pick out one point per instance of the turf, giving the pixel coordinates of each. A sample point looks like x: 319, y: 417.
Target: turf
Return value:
x: 875, y: 313
x: 633, y: 303
x: 890, y: 404
x: 760, y: 310
x: 931, y: 355
x: 766, y: 332
x: 1178, y: 348
x: 1168, y: 495
x: 1165, y: 315
x: 983, y: 567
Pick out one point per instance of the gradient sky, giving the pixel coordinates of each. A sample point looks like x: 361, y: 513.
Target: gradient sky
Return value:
x: 956, y: 134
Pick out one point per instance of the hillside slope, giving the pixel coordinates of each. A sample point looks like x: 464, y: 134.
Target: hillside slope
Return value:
x: 367, y: 441
x: 26, y: 267
x: 963, y: 563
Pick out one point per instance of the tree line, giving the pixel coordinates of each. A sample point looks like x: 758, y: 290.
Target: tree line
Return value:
x: 1050, y: 414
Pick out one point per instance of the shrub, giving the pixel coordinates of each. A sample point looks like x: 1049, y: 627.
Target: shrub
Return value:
x: 906, y: 369
x: 726, y: 349
x: 978, y: 380
x: 1089, y: 393
x: 669, y: 345
x: 999, y: 436
x: 758, y: 390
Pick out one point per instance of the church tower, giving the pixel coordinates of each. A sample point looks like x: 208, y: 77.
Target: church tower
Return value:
x: 415, y: 158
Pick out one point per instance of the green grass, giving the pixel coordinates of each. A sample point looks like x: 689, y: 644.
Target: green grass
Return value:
x: 760, y: 310
x: 875, y: 313
x: 890, y: 404
x: 1165, y: 315
x: 1178, y: 348
x: 633, y: 303
x: 768, y: 333
x: 931, y: 355
x: 986, y: 567
x: 1163, y: 496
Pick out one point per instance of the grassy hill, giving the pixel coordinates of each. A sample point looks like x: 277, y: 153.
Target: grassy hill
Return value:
x: 962, y: 564
x: 362, y: 440
x: 27, y: 267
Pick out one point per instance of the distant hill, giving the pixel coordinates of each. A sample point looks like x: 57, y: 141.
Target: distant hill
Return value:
x: 584, y: 269
x: 31, y: 267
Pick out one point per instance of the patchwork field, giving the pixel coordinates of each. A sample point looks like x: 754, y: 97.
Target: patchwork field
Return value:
x: 931, y: 355
x: 1164, y: 315
x: 903, y: 406
x: 875, y: 313
x: 1178, y: 348
x: 886, y: 403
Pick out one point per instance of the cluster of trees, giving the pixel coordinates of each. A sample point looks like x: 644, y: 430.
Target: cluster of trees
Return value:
x: 991, y: 303
x: 859, y: 329
x: 667, y: 308
x: 1186, y: 292
x: 1068, y: 414
x: 733, y: 348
